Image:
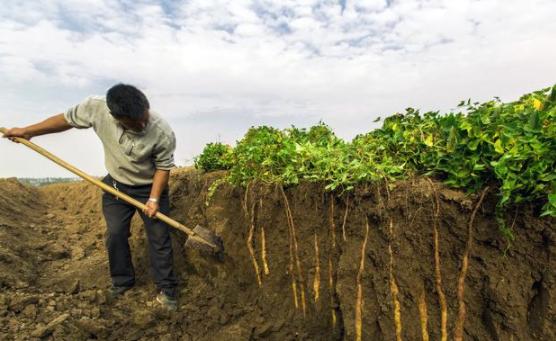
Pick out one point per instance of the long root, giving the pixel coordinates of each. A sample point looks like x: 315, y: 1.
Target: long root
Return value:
x: 316, y: 281
x: 293, y: 238
x: 359, y: 300
x: 250, y: 215
x: 423, y: 315
x: 437, y: 273
x: 263, y: 244
x: 394, y: 290
x: 458, y: 329
x: 345, y: 220
x: 330, y: 262
x: 250, y: 246
x: 331, y: 289
x: 332, y: 222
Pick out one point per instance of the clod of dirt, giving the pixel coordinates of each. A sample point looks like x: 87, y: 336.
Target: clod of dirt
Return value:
x: 42, y: 331
x: 95, y: 328
x: 143, y: 319
x: 30, y: 311
x: 18, y: 303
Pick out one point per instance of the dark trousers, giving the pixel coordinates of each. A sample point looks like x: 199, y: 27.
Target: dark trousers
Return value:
x: 118, y: 214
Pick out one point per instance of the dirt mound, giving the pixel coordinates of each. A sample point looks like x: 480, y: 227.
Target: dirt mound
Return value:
x: 301, y: 264
x: 20, y: 238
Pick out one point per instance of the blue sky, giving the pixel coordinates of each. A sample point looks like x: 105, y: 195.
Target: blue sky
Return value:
x: 215, y: 68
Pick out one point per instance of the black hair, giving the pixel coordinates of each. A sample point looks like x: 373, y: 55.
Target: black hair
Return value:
x: 126, y: 100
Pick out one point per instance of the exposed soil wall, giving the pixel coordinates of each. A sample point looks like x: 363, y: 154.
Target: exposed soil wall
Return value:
x: 507, y: 294
x: 296, y: 266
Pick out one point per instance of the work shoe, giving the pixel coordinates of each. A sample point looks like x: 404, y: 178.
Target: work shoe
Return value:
x: 167, y: 301
x: 115, y: 292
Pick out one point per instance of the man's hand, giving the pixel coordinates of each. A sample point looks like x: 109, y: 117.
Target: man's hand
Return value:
x: 151, y: 209
x: 17, y: 132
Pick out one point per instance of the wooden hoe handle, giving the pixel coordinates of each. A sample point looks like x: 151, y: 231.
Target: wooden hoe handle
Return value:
x: 105, y: 187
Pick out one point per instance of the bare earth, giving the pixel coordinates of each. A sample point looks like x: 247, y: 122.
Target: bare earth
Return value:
x: 288, y: 273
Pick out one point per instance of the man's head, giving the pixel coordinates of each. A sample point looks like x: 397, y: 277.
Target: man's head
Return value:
x: 129, y: 106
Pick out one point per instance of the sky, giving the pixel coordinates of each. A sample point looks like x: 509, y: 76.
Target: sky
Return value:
x: 213, y: 69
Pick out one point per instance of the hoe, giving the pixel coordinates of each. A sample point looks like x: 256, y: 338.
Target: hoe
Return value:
x: 198, y: 238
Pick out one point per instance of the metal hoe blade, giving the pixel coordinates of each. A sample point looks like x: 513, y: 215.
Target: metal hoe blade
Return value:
x: 205, y: 241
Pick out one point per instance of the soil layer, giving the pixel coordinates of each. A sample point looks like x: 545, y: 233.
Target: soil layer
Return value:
x: 383, y: 263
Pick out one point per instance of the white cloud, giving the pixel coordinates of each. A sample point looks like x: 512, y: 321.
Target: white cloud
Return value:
x: 245, y: 62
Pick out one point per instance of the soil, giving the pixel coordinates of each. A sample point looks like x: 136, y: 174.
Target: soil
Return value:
x: 302, y: 281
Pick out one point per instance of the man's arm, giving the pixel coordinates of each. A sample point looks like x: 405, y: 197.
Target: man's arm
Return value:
x: 54, y: 124
x: 163, y: 159
x: 160, y: 181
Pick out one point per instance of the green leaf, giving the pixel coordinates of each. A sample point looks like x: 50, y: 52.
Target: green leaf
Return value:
x: 473, y: 144
x: 498, y: 147
x: 429, y: 141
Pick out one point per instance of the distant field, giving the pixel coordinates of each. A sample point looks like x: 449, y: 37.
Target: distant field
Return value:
x: 45, y: 181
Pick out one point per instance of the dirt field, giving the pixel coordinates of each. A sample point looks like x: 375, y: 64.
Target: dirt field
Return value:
x: 297, y: 266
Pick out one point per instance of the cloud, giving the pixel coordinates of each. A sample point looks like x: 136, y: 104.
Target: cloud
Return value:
x: 236, y: 63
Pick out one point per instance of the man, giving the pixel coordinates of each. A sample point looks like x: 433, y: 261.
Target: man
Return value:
x: 138, y: 147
